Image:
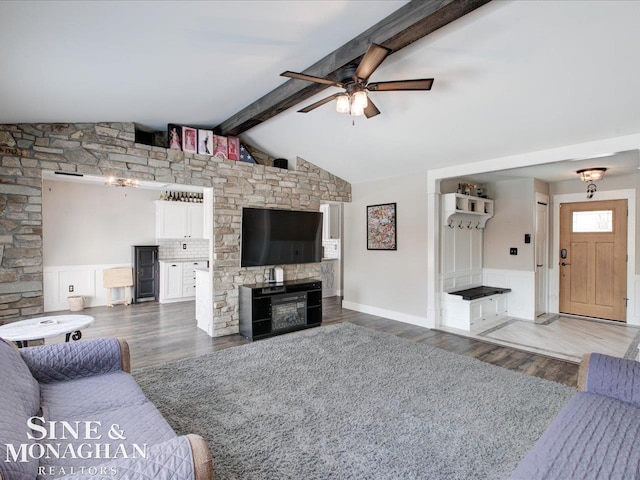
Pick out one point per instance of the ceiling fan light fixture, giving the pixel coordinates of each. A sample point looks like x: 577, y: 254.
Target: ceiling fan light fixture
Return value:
x: 343, y: 104
x: 591, y: 174
x: 354, y: 79
x: 356, y: 110
x: 360, y: 99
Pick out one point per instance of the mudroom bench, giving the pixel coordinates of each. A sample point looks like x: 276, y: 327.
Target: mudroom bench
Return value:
x: 473, y: 308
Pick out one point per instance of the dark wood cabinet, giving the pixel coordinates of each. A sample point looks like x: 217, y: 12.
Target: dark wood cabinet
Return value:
x: 145, y: 273
x: 268, y: 309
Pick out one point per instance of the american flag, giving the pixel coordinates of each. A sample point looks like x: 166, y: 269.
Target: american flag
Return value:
x: 245, y: 156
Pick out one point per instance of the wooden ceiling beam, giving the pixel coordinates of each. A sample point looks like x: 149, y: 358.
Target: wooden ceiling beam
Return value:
x: 409, y: 23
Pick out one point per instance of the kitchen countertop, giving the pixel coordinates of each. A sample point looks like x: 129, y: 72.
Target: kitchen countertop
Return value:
x: 332, y: 258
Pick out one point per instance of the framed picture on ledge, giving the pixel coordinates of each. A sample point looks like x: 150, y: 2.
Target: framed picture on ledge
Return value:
x: 381, y: 227
x: 175, y: 136
x: 205, y: 142
x: 189, y: 140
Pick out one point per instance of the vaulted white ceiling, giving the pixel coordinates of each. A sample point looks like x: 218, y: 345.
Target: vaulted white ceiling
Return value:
x: 157, y: 62
x: 510, y: 77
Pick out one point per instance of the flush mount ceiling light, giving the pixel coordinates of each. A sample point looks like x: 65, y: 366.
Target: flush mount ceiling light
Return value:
x: 591, y: 174
x: 122, y: 182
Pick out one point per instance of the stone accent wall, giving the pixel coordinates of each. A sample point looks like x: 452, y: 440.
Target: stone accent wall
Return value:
x: 109, y: 149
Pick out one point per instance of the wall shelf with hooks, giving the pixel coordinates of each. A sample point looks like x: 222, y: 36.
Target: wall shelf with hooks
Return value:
x: 465, y: 211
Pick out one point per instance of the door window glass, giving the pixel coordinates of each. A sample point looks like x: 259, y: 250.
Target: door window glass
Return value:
x: 593, y: 221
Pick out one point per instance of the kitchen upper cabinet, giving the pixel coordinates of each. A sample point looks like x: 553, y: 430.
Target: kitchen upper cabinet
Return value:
x: 195, y: 220
x: 179, y: 220
x: 330, y: 221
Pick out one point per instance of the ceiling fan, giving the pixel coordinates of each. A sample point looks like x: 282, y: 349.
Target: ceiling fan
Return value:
x: 355, y: 80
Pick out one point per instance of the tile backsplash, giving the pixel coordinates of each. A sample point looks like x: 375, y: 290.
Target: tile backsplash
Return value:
x: 172, y: 249
x: 331, y: 248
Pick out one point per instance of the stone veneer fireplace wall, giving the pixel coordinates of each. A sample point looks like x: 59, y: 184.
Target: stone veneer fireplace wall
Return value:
x: 109, y: 149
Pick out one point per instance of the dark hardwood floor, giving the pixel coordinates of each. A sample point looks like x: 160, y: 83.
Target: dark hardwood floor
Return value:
x: 162, y: 333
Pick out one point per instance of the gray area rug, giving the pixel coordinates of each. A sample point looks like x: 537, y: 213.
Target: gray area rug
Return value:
x: 347, y: 402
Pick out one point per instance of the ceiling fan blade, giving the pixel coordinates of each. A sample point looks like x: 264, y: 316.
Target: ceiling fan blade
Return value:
x: 371, y: 110
x: 422, y: 84
x: 319, y: 103
x: 372, y: 59
x: 311, y: 78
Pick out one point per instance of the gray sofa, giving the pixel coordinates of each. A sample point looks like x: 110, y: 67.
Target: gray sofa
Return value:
x: 112, y: 430
x: 596, y: 435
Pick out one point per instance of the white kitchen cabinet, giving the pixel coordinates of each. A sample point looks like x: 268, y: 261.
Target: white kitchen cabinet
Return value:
x: 189, y: 277
x: 195, y: 220
x: 178, y: 280
x: 179, y: 220
x: 330, y: 221
x: 170, y: 281
x: 204, y: 300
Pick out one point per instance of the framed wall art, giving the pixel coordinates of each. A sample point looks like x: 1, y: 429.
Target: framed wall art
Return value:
x: 189, y: 140
x: 381, y: 227
x: 220, y: 147
x: 205, y: 142
x: 234, y: 148
x: 175, y: 136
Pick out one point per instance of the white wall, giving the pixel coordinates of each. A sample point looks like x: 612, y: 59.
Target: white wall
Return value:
x: 388, y: 283
x: 86, y: 224
x: 513, y: 217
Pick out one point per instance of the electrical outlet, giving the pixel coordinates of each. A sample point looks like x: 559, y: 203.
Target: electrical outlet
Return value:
x: 513, y: 251
x: 71, y: 288
x: 184, y: 246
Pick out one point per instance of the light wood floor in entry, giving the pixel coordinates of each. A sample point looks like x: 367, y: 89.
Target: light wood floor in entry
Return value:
x: 163, y: 333
x: 565, y: 337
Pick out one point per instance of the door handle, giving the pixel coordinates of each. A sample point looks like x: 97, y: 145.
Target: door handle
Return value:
x: 565, y: 264
x: 539, y: 265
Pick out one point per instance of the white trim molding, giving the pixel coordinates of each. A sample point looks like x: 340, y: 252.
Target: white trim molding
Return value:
x: 636, y: 304
x: 86, y: 281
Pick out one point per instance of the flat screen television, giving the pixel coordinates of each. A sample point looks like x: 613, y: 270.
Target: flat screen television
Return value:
x: 280, y: 237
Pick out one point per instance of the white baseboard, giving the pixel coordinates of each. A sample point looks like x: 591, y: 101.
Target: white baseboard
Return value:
x: 86, y: 281
x: 381, y: 312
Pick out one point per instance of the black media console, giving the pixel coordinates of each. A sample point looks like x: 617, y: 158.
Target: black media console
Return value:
x: 268, y: 309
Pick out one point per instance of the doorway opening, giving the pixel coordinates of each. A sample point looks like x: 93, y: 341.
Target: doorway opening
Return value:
x: 541, y: 253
